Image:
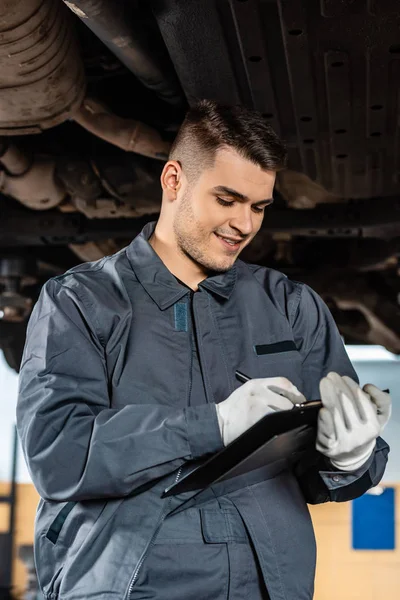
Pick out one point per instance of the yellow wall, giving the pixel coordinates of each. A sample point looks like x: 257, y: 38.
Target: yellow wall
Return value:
x: 345, y: 574
x: 27, y: 501
x: 342, y: 573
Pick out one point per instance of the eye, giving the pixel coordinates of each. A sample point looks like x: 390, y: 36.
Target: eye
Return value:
x: 224, y: 202
x: 258, y: 209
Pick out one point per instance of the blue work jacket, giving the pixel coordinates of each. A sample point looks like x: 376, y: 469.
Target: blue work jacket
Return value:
x: 121, y: 371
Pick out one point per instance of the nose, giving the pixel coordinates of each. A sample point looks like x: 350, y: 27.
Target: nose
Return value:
x: 242, y: 220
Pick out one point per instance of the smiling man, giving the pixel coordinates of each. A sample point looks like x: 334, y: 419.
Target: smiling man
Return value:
x: 215, y: 190
x: 128, y: 375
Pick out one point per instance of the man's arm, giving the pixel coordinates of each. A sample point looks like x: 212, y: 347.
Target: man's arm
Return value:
x: 319, y: 341
x: 321, y: 482
x: 76, y: 446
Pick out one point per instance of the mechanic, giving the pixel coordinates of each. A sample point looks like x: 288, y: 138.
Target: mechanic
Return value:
x: 128, y: 374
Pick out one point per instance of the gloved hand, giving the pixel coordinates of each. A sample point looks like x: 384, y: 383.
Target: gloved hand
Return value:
x: 252, y: 401
x: 350, y: 421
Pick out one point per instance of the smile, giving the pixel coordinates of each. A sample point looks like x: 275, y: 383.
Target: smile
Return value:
x: 231, y: 245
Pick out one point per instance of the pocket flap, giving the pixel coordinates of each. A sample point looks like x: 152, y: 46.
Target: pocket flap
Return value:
x: 222, y: 526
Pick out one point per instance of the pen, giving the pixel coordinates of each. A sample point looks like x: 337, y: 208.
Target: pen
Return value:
x: 244, y: 378
x: 314, y: 403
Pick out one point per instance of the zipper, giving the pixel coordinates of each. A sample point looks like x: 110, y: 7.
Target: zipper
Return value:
x: 192, y: 346
x: 150, y: 544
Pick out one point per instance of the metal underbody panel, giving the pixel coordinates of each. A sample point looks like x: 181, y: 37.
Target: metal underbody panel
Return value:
x: 324, y: 73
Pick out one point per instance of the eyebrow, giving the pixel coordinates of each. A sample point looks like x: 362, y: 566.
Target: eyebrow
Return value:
x: 222, y: 189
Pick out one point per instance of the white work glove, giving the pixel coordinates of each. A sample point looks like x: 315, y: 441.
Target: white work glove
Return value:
x: 252, y: 401
x: 350, y: 421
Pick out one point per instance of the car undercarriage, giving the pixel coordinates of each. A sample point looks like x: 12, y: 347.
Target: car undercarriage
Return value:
x: 92, y: 93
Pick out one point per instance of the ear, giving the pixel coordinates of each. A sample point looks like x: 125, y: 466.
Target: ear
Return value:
x: 171, y: 179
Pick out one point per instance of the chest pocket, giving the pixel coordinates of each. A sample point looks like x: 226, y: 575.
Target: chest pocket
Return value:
x: 279, y: 359
x: 275, y: 348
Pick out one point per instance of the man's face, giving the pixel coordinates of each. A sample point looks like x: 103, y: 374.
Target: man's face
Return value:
x: 220, y: 213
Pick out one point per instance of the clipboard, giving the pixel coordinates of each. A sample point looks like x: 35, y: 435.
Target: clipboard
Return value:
x: 280, y: 435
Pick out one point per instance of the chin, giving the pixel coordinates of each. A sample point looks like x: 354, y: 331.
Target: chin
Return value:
x: 212, y: 264
x: 220, y: 269
x: 217, y: 267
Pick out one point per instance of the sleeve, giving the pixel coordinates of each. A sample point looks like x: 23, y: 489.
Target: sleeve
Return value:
x: 321, y: 346
x: 76, y: 446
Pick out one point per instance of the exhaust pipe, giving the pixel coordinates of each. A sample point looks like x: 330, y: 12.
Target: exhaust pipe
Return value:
x: 136, y: 41
x: 127, y: 134
x: 41, y: 74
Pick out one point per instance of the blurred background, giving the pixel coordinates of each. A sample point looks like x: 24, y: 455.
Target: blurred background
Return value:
x: 358, y: 550
x: 92, y: 93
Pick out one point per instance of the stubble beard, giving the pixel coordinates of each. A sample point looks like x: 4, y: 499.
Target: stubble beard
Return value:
x: 192, y: 239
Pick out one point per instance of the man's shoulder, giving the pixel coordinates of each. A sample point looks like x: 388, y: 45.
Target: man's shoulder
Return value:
x: 283, y: 292
x: 96, y: 279
x: 270, y: 279
x: 97, y: 275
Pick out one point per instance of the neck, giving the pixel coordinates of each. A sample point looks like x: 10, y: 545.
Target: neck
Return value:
x: 176, y: 261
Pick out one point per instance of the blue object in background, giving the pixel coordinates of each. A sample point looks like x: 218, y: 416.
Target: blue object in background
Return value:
x: 373, y: 521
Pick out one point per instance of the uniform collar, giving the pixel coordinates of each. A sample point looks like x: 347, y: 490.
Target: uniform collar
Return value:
x: 159, y: 282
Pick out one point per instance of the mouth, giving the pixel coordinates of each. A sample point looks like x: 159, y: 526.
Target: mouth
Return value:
x: 228, y: 243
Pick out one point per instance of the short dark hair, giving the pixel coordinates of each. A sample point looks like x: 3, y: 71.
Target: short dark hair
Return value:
x: 209, y: 126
